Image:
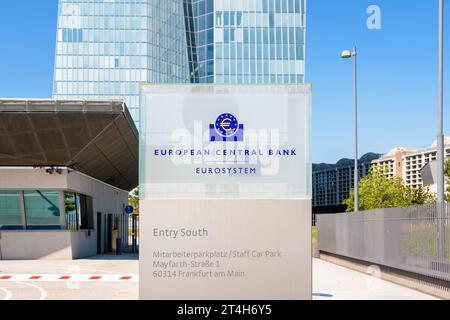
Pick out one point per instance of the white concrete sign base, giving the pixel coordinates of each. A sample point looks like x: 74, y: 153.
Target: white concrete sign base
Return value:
x: 225, y: 249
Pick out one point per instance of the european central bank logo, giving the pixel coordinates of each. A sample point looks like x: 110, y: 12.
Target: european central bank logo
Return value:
x: 226, y: 128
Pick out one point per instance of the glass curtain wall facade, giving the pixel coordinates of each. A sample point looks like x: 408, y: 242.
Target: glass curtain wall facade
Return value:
x: 246, y: 41
x: 105, y: 48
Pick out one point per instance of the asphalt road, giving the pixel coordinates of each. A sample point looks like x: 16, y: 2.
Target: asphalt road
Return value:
x: 112, y: 277
x: 79, y: 286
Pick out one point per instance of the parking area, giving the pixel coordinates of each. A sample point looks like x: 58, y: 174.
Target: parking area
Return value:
x: 116, y: 278
x: 98, y: 278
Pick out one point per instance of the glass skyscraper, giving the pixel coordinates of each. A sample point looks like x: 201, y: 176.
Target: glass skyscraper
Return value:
x: 105, y: 48
x: 246, y: 41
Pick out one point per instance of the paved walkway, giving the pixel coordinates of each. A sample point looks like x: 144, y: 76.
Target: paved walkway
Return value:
x: 329, y: 281
x: 332, y: 282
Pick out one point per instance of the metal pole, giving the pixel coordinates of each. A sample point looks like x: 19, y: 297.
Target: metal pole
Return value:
x: 440, y: 138
x: 356, y: 174
x: 134, y: 242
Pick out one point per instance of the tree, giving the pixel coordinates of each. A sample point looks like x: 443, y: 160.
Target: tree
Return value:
x: 69, y: 201
x: 133, y: 200
x: 378, y: 192
x: 420, y: 195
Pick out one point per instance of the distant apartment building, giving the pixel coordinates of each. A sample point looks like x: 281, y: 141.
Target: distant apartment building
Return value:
x: 406, y: 163
x: 332, y: 182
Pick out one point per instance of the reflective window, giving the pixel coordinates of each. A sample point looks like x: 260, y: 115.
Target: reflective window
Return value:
x: 71, y: 211
x: 79, y: 211
x: 42, y: 209
x: 10, y: 210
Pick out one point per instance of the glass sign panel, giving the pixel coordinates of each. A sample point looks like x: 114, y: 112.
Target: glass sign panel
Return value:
x: 219, y: 141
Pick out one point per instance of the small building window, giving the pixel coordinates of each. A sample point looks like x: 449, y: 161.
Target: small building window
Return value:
x: 42, y: 209
x: 79, y: 211
x: 10, y: 210
x: 71, y: 211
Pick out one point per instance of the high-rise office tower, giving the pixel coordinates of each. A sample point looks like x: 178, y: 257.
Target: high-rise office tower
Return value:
x: 105, y: 48
x: 246, y: 41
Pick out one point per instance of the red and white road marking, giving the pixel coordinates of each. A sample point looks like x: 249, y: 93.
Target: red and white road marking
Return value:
x: 68, y: 278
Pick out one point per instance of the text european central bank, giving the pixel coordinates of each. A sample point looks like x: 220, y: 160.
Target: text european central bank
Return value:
x: 227, y: 156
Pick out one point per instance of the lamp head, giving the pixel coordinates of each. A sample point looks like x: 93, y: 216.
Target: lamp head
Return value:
x: 346, y: 54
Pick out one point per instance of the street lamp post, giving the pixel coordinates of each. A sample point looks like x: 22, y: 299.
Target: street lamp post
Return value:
x: 440, y: 138
x: 347, y: 54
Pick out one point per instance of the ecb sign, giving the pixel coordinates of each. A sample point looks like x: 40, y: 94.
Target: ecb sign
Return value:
x: 225, y: 181
x: 227, y: 128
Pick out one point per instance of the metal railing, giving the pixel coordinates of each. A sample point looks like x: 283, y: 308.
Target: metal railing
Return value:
x: 124, y: 227
x: 401, y: 238
x: 72, y: 221
x: 133, y: 234
x: 129, y: 226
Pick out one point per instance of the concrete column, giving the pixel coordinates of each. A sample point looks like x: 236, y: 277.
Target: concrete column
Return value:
x: 23, y: 209
x: 62, y: 209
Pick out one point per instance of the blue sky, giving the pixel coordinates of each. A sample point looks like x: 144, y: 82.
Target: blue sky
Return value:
x: 397, y: 69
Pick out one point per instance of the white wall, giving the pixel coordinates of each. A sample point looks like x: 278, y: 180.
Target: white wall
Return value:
x: 50, y: 244
x: 247, y: 226
x: 106, y: 199
x: 31, y: 178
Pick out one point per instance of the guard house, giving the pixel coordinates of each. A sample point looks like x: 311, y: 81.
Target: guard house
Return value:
x: 66, y: 168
